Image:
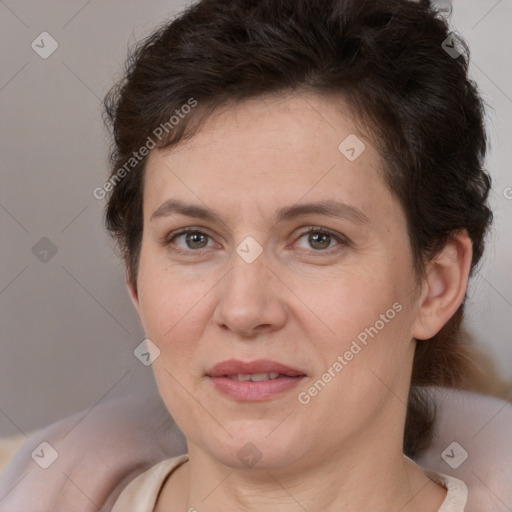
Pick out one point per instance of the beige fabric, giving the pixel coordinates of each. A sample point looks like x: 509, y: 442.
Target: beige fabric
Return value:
x: 457, y: 496
x: 142, y: 492
x: 8, y: 447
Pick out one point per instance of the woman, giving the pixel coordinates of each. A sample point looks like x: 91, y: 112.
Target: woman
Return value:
x: 298, y: 192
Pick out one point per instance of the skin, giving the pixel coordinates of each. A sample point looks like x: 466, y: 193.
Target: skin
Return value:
x: 299, y: 303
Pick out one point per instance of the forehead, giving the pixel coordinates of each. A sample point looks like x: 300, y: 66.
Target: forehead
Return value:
x: 267, y: 151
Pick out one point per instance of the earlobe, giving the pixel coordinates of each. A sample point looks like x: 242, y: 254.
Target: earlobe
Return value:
x: 445, y: 286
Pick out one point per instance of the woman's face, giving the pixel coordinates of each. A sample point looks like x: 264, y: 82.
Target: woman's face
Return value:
x: 305, y: 261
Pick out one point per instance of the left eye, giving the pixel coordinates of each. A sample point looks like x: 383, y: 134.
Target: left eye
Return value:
x: 320, y: 239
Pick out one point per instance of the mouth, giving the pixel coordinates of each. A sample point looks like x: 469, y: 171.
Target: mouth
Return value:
x: 254, y: 380
x: 254, y: 377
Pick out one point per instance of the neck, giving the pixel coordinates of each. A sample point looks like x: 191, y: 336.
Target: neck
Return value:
x: 379, y: 480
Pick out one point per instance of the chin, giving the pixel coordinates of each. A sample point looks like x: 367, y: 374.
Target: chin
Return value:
x: 254, y: 457
x: 258, y: 445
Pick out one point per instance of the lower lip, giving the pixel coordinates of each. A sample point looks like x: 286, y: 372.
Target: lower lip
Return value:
x: 248, y: 390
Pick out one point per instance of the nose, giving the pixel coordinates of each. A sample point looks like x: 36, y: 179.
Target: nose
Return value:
x: 251, y: 299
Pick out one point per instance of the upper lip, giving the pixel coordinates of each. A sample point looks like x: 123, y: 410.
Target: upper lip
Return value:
x: 235, y: 366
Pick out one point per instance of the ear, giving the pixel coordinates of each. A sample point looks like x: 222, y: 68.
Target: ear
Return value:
x: 444, y: 287
x: 132, y: 290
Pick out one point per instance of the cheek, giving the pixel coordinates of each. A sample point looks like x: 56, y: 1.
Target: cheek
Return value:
x: 171, y: 307
x: 369, y: 352
x: 350, y: 299
x: 366, y: 313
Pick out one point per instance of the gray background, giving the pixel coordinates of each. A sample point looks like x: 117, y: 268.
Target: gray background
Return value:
x: 68, y: 329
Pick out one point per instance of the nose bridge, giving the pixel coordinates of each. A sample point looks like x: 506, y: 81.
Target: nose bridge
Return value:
x: 244, y: 284
x: 249, y: 299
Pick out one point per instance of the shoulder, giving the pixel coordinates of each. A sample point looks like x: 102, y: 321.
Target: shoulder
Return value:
x: 472, y: 443
x: 100, y: 451
x: 456, y: 491
x: 142, y: 492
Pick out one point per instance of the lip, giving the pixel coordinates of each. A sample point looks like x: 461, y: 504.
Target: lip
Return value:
x: 288, y: 379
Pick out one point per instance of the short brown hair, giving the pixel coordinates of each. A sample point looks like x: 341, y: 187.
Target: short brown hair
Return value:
x: 387, y: 59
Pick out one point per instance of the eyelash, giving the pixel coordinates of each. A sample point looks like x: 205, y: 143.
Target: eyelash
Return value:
x: 342, y: 241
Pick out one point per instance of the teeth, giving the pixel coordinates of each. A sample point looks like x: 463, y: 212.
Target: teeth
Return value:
x: 255, y: 377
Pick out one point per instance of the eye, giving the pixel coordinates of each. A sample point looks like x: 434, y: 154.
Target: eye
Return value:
x: 322, y: 240
x: 188, y: 240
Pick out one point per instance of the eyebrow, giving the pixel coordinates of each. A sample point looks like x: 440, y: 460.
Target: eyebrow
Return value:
x: 330, y: 208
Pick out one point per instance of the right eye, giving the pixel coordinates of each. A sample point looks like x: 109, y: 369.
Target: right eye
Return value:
x: 188, y: 240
